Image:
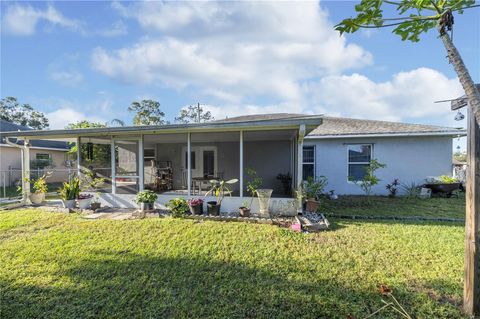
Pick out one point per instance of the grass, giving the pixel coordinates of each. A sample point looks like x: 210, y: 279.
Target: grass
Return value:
x: 61, y: 266
x: 398, y: 206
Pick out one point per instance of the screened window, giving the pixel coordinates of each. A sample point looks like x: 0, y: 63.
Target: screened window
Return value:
x: 43, y: 156
x: 359, y: 157
x: 308, y: 162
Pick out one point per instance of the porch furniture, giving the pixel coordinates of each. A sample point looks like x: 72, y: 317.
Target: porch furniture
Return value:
x: 197, y: 183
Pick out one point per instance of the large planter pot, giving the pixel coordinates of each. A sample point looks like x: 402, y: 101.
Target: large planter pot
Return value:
x: 84, y: 203
x: 446, y: 189
x: 37, y: 198
x: 69, y: 203
x: 312, y: 205
x: 196, y: 210
x: 264, y: 201
x: 213, y: 208
x: 244, y: 212
x: 146, y: 206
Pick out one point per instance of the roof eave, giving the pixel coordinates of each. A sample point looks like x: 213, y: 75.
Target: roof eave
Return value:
x: 408, y: 134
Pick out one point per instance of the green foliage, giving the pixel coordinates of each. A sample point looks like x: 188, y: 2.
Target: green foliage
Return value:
x: 146, y: 196
x: 369, y: 179
x: 22, y: 114
x: 70, y: 190
x: 254, y: 183
x: 147, y: 112
x: 84, y: 124
x: 178, y: 206
x: 62, y: 266
x: 413, y: 19
x: 193, y: 114
x: 411, y: 190
x: 444, y: 179
x: 460, y: 156
x: 219, y: 188
x: 94, y: 154
x: 313, y: 187
x: 39, y: 185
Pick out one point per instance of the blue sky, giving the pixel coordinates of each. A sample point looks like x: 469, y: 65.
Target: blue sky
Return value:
x: 90, y: 60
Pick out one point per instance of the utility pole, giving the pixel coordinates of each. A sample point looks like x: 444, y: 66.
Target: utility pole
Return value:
x: 198, y: 112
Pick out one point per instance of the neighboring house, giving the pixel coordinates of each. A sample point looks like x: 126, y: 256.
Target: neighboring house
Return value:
x: 43, y: 154
x: 294, y: 145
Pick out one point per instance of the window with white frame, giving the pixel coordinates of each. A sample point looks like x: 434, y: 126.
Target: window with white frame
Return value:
x: 43, y: 156
x: 359, y: 157
x: 308, y: 163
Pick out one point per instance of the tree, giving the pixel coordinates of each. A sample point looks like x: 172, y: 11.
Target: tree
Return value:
x: 147, y: 113
x: 22, y: 114
x: 193, y: 114
x: 91, y: 154
x: 415, y: 18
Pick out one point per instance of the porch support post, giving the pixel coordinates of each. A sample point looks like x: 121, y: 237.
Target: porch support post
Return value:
x: 112, y: 156
x: 301, y: 135
x: 26, y: 172
x: 189, y: 163
x: 141, y: 162
x: 79, y: 157
x: 241, y: 164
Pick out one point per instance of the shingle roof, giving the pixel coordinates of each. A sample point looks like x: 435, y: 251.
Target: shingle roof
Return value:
x: 340, y: 126
x: 6, y: 126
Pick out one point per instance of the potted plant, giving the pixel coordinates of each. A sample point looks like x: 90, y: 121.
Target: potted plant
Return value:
x: 146, y: 199
x: 178, y: 206
x: 313, y: 188
x: 69, y: 192
x: 95, y: 184
x: 196, y: 206
x: 218, y: 188
x: 84, y: 200
x: 252, y: 185
x: 443, y: 185
x: 40, y: 188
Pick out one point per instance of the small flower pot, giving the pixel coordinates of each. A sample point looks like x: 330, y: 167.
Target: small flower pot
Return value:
x: 312, y: 205
x: 196, y: 209
x: 244, y: 212
x: 146, y: 206
x: 37, y: 198
x: 84, y: 203
x: 213, y: 208
x: 95, y: 205
x: 69, y: 203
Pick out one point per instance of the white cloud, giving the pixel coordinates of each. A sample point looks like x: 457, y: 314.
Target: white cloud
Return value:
x: 66, y: 78
x: 23, y: 19
x: 117, y: 28
x: 63, y: 116
x: 231, y: 51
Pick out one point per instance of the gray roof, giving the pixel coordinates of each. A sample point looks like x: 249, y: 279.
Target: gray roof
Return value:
x: 6, y: 126
x: 339, y: 126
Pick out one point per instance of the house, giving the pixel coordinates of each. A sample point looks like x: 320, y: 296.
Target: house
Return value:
x: 43, y: 154
x: 179, y: 159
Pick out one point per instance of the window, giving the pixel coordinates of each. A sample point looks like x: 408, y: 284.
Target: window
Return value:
x: 308, y: 162
x: 43, y: 157
x: 359, y: 157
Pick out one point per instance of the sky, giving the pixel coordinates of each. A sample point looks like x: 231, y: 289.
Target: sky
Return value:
x: 88, y: 60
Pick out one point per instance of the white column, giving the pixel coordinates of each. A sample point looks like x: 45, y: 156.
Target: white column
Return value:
x: 26, y: 172
x: 79, y: 157
x: 189, y: 163
x: 241, y: 164
x: 112, y: 155
x: 141, y: 161
x: 301, y: 135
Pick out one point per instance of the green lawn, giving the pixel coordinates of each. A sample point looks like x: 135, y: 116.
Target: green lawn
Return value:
x: 398, y: 206
x: 61, y: 266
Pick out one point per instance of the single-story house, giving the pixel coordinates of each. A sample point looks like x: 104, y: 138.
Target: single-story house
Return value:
x: 283, y: 149
x: 43, y: 154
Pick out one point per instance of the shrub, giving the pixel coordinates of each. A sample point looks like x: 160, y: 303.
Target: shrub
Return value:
x: 313, y: 187
x: 146, y: 196
x: 370, y: 179
x: 195, y: 201
x: 70, y: 190
x: 411, y: 190
x: 392, y: 187
x: 178, y: 206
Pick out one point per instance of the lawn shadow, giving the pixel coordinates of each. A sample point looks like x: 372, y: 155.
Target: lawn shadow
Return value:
x: 126, y: 285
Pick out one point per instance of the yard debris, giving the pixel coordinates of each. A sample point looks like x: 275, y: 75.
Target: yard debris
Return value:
x: 312, y: 222
x: 395, y: 305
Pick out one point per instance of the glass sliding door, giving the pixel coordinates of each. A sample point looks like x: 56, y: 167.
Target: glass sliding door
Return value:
x: 126, y: 169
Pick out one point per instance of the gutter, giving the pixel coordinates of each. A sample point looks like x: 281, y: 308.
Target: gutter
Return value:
x: 450, y: 133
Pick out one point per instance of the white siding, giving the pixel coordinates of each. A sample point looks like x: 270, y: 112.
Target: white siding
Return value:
x: 410, y: 159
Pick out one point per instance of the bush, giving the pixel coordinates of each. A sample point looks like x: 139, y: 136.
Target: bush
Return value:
x: 70, y: 190
x: 313, y: 187
x: 146, y: 197
x: 178, y: 206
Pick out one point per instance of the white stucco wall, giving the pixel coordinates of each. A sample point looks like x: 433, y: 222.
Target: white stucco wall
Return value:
x: 410, y: 159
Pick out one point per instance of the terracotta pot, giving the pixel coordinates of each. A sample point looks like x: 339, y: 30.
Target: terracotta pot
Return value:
x: 37, y: 198
x: 244, y: 212
x: 213, y: 208
x: 312, y: 205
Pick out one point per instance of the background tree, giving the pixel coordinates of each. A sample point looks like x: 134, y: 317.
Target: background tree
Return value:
x: 193, y: 114
x: 96, y: 155
x: 22, y: 114
x: 147, y: 113
x: 414, y: 18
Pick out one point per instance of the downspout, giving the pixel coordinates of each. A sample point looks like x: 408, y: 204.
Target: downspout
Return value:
x: 25, y: 155
x: 301, y: 136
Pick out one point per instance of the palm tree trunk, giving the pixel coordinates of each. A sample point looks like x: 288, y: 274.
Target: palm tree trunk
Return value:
x: 465, y: 79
